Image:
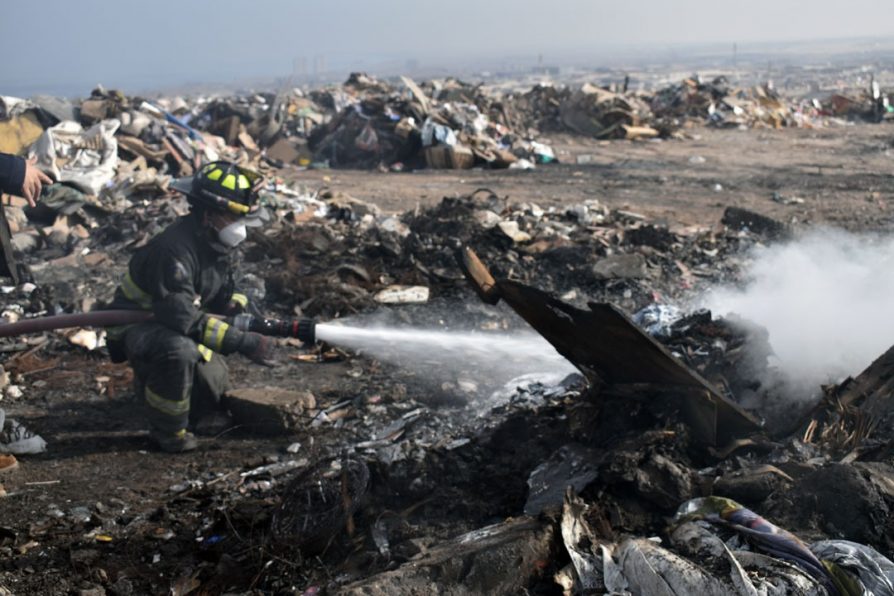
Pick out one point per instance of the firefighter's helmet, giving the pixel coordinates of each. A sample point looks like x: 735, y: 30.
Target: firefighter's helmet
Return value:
x: 223, y: 186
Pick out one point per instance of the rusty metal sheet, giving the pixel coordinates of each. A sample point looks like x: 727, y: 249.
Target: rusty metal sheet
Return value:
x: 609, y: 348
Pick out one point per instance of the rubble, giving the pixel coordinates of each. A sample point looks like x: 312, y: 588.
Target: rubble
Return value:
x: 398, y: 126
x: 388, y: 482
x: 498, y: 559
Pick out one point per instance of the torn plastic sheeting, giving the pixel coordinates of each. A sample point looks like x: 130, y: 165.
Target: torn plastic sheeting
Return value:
x: 651, y: 569
x: 697, y: 565
x: 874, y: 571
x: 762, y: 535
x: 698, y: 542
x: 657, y: 319
x: 85, y: 159
x: 576, y: 535
x: 775, y: 576
x: 433, y: 133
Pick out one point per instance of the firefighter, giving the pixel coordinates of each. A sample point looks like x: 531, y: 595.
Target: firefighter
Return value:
x: 184, y: 276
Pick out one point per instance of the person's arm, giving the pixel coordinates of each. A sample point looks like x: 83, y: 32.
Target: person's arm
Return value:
x: 12, y: 173
x: 20, y: 177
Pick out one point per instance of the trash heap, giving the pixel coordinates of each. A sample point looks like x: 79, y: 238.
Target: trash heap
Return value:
x: 392, y: 485
x: 415, y: 491
x: 580, y: 252
x: 368, y: 123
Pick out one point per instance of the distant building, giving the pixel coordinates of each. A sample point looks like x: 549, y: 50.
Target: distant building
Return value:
x: 552, y: 71
x: 319, y: 65
x: 299, y: 66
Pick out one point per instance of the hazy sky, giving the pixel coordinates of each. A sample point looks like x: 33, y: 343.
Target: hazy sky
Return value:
x: 55, y: 44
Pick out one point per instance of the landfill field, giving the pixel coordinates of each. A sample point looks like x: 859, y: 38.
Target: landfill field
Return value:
x: 447, y: 448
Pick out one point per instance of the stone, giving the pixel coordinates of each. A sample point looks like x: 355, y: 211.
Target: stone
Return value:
x: 513, y: 232
x: 632, y: 266
x: 268, y: 410
x: 487, y: 218
x: 25, y: 242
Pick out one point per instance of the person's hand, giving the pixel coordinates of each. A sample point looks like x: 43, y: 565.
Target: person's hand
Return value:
x: 258, y: 348
x: 34, y: 181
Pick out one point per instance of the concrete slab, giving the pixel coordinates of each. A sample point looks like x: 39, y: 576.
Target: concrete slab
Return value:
x: 269, y: 410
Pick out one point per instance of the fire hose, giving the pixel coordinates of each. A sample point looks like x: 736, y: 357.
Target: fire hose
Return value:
x: 303, y: 329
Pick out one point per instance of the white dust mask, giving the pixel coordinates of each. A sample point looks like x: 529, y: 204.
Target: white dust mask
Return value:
x: 233, y: 234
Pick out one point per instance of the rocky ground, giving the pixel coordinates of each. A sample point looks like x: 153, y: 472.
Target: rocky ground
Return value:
x: 101, y: 512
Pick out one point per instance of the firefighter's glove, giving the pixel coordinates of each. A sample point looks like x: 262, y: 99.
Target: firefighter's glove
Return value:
x: 258, y: 348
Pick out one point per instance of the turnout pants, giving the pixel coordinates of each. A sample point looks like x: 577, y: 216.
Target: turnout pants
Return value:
x: 179, y: 383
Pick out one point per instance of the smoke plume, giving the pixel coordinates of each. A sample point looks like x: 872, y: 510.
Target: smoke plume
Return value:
x: 826, y: 300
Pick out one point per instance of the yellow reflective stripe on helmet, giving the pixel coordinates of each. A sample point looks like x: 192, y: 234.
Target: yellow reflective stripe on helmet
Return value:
x: 237, y: 208
x: 215, y: 330
x: 135, y: 293
x: 205, y: 352
x: 243, y: 183
x: 167, y: 406
x: 229, y: 182
x: 240, y: 299
x: 215, y: 174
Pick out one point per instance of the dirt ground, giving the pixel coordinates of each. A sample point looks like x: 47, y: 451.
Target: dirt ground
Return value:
x: 100, y: 458
x: 842, y: 173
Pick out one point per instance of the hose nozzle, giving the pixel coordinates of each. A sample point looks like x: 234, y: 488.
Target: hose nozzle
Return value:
x: 302, y: 329
x: 306, y: 331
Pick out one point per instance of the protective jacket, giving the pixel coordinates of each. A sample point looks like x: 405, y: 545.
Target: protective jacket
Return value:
x: 183, y: 278
x: 12, y: 173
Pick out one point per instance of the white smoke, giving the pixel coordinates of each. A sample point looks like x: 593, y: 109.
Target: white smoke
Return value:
x: 826, y: 299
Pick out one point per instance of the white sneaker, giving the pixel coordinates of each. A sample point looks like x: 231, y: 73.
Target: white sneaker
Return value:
x: 15, y: 438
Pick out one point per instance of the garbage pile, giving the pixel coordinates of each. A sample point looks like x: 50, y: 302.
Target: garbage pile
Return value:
x: 580, y: 252
x: 392, y: 486
x: 368, y: 123
x: 718, y: 104
x: 429, y: 498
x: 604, y: 113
